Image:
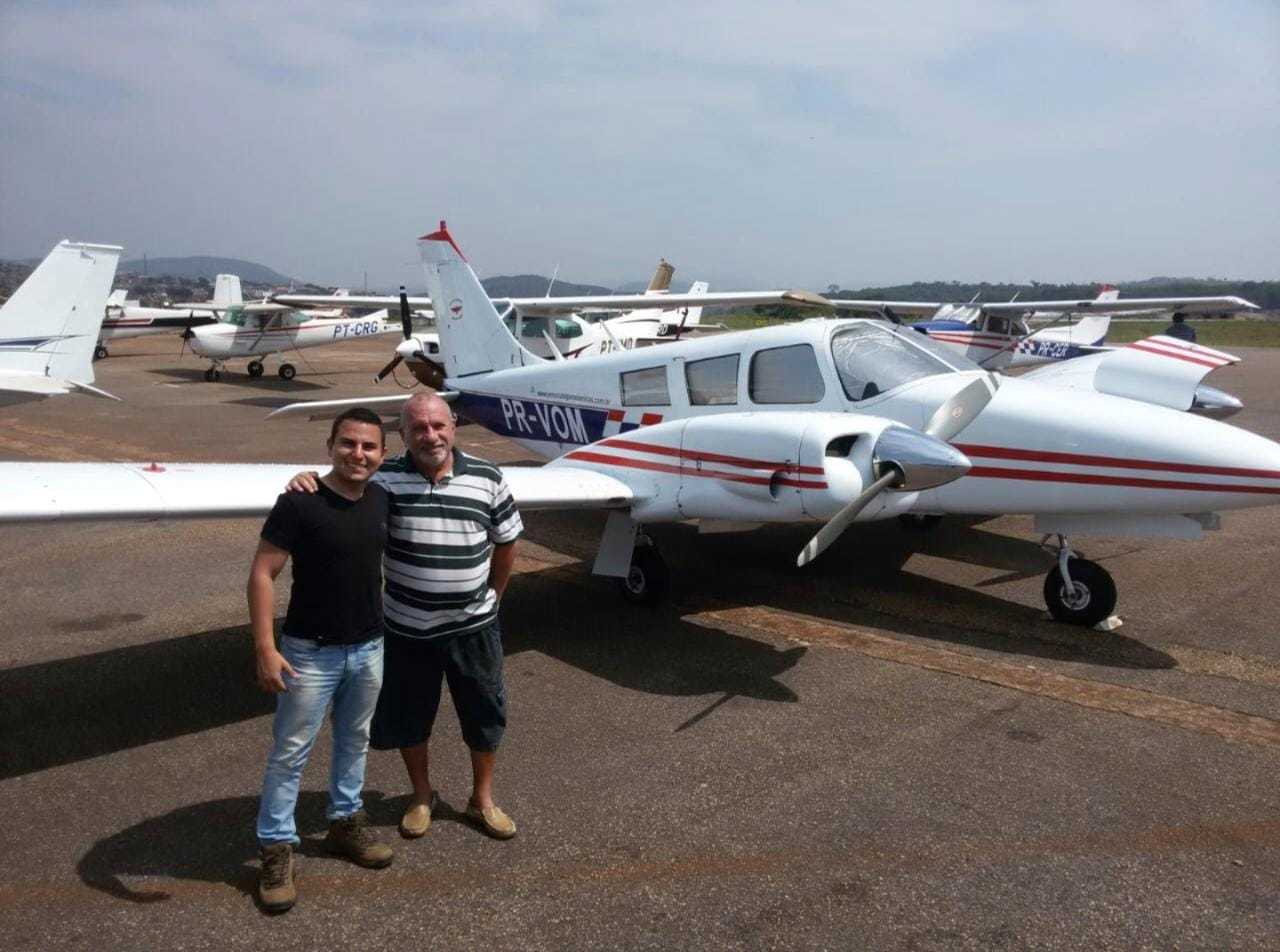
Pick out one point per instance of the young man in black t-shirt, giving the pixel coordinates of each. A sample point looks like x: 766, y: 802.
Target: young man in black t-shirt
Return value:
x: 330, y: 651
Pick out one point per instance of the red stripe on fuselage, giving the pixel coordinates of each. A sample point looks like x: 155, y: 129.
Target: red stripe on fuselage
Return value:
x: 589, y: 456
x: 1050, y: 476
x: 1113, y: 462
x: 639, y: 447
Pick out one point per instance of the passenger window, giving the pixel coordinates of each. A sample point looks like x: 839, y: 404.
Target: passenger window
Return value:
x: 786, y: 375
x: 566, y: 328
x: 645, y: 388
x: 712, y: 382
x: 533, y: 326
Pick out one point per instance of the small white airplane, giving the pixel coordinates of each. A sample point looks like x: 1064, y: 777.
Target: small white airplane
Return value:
x: 262, y: 328
x: 125, y: 318
x: 49, y: 327
x: 826, y: 422
x: 998, y: 336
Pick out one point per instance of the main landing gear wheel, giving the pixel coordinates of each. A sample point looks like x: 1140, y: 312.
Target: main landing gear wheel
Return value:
x: 1092, y: 596
x: 212, y: 375
x: 255, y: 368
x: 921, y: 521
x: 647, y: 579
x: 99, y: 352
x: 287, y: 371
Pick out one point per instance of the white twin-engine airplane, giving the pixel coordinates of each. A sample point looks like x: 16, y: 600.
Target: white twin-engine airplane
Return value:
x: 822, y: 422
x: 49, y: 327
x: 125, y: 318
x: 263, y: 328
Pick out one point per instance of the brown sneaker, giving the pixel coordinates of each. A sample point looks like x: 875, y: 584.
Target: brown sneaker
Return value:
x: 351, y: 837
x: 417, y: 817
x: 276, y: 891
x: 493, y: 821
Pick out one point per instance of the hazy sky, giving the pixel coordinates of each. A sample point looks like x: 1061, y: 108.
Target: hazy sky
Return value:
x: 800, y: 145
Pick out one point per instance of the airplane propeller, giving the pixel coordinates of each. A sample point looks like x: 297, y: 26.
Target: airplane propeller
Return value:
x: 912, y: 459
x: 406, y: 325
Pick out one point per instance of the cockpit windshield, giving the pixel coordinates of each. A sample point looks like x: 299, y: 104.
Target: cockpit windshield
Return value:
x: 872, y: 359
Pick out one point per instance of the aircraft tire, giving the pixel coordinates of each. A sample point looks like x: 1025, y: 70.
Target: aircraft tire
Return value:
x: 99, y: 352
x: 212, y: 374
x: 647, y: 581
x: 255, y: 368
x: 287, y: 371
x: 1093, y: 600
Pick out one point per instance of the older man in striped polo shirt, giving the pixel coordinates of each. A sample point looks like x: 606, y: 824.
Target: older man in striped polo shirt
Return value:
x: 451, y: 544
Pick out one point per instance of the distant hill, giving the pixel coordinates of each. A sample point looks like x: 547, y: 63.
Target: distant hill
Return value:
x: 205, y: 266
x: 535, y: 285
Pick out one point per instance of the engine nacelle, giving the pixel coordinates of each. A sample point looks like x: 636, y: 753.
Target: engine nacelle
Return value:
x: 752, y: 467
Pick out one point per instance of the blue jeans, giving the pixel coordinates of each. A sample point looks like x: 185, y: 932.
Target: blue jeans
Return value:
x: 350, y: 677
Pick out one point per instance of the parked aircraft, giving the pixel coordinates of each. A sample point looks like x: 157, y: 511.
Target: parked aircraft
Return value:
x: 261, y: 329
x: 824, y: 421
x: 125, y: 318
x: 49, y: 327
x: 568, y: 327
x: 999, y: 336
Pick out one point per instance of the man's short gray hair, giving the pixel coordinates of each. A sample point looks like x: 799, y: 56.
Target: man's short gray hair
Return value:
x: 418, y: 399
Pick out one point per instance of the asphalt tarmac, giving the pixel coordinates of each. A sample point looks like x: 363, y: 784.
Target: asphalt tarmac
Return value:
x: 892, y: 749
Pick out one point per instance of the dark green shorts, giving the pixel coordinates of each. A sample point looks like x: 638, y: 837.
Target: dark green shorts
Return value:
x: 413, y: 676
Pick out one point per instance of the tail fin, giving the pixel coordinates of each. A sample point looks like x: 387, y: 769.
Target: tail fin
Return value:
x: 117, y: 298
x: 1108, y: 292
x: 50, y: 325
x: 226, y: 290
x: 473, y: 338
x: 661, y: 277
x: 693, y: 315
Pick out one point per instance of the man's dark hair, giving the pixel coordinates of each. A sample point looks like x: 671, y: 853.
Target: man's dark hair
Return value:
x: 360, y: 415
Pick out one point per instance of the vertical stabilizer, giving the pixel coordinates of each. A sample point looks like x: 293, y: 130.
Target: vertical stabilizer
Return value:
x: 50, y: 326
x: 226, y: 290
x: 693, y: 315
x: 1108, y: 292
x: 473, y: 338
x: 661, y: 278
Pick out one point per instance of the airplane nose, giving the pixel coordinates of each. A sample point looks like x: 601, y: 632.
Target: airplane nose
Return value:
x: 923, y: 461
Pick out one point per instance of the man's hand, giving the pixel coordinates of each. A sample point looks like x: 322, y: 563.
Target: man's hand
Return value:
x: 271, y: 669
x: 308, y: 482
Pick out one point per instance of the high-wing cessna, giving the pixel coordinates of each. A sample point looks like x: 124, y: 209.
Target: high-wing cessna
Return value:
x: 826, y: 422
x: 262, y: 328
x: 998, y: 336
x: 49, y: 327
x: 125, y: 318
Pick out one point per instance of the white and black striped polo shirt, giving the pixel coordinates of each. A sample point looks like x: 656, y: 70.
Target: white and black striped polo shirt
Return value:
x: 439, y: 540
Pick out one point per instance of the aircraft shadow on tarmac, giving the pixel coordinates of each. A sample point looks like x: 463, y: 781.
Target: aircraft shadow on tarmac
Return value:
x: 265, y: 382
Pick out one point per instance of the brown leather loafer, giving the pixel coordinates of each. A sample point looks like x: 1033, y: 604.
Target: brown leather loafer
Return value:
x: 417, y: 817
x: 493, y: 821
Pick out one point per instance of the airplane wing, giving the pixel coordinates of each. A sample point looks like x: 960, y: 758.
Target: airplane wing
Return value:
x: 900, y: 308
x: 1186, y: 305
x: 328, y: 409
x: 57, y: 492
x: 568, y: 305
x: 1160, y: 370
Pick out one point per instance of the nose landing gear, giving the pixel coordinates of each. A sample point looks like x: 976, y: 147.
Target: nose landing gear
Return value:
x: 1077, y: 591
x: 213, y: 374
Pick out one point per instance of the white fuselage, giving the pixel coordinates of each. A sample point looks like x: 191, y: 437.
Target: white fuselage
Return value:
x: 1034, y: 448
x: 260, y: 335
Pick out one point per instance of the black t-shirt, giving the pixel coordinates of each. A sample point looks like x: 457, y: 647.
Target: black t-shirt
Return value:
x: 336, y: 545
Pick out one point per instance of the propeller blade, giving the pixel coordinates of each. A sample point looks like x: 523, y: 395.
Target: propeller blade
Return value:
x: 406, y: 321
x: 961, y: 408
x: 844, y: 518
x: 391, y: 365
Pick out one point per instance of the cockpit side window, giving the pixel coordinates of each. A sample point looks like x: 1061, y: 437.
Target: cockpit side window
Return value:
x: 712, y: 382
x: 871, y: 360
x: 786, y: 375
x: 645, y: 388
